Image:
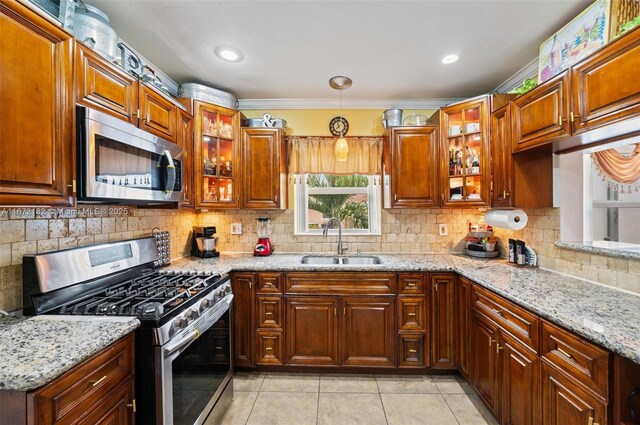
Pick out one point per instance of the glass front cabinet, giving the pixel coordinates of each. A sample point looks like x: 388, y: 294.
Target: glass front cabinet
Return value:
x: 465, y: 171
x: 217, y: 156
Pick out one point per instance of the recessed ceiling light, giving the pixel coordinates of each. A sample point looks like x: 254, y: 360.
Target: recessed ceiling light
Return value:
x: 229, y: 54
x: 449, y: 59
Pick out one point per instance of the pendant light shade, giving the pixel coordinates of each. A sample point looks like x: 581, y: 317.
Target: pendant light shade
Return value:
x: 342, y: 149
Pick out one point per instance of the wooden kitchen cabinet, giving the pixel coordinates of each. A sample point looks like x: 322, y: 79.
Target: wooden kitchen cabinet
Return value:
x: 501, y: 158
x: 484, y: 336
x: 463, y: 320
x: 98, y: 390
x: 519, y: 369
x: 158, y: 114
x: 36, y: 124
x: 216, y: 156
x: 606, y: 89
x: 413, y: 320
x: 368, y: 334
x: 443, y: 321
x: 311, y: 330
x: 410, y: 167
x: 541, y: 115
x: 185, y: 141
x: 243, y: 286
x: 264, y: 168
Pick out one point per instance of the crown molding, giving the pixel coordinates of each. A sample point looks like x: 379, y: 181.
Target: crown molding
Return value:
x: 527, y: 71
x: 262, y: 104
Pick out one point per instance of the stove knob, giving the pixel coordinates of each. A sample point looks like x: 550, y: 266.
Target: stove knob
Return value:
x: 192, y: 314
x: 180, y: 322
x: 227, y: 289
x: 206, y: 303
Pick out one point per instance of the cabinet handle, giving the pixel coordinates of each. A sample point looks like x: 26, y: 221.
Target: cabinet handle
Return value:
x: 269, y: 285
x: 560, y: 120
x: 276, y: 198
x: 412, y: 350
x: 435, y: 286
x: 132, y: 405
x: 591, y: 422
x: 250, y: 285
x: 269, y: 348
x: 496, y: 311
x: 574, y: 116
x: 148, y: 118
x: 72, y: 186
x: 506, y: 194
x: 335, y: 311
x: 491, y: 341
x: 268, y: 313
x: 395, y: 198
x: 563, y: 352
x: 411, y: 314
x: 218, y: 348
x: 498, y: 348
x: 99, y: 381
x: 412, y: 284
x: 344, y: 311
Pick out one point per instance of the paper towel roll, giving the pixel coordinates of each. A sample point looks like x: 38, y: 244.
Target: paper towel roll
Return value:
x: 507, y: 219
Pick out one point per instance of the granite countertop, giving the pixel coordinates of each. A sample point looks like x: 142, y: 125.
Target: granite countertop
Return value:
x: 606, y: 316
x: 36, y: 350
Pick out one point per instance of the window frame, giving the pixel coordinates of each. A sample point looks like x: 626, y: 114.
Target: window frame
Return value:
x: 301, y: 206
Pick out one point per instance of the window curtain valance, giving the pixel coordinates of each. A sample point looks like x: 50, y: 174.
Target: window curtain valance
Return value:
x: 316, y: 155
x: 623, y: 170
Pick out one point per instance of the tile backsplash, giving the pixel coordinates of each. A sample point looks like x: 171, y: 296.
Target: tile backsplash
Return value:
x: 36, y: 230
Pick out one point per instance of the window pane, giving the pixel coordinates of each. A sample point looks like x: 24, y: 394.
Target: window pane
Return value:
x: 351, y: 210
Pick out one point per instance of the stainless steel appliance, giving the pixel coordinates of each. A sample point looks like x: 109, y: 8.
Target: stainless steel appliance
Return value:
x: 120, y: 163
x: 183, y: 358
x: 203, y: 243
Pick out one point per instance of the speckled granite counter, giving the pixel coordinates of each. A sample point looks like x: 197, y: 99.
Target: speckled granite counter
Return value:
x: 606, y: 316
x: 36, y: 350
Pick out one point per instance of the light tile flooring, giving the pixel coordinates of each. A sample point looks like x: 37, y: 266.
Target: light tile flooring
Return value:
x: 313, y: 399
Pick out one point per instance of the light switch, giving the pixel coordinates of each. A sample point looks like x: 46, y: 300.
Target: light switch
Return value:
x: 236, y: 228
x: 442, y: 229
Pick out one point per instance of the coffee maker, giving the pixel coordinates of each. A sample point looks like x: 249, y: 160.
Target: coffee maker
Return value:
x: 264, y: 247
x: 203, y: 243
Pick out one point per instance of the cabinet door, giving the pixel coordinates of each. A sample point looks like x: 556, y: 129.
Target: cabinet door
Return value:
x: 565, y: 403
x: 263, y: 168
x: 520, y: 382
x: 158, y: 115
x: 311, y: 331
x: 269, y: 314
x: 368, y: 337
x: 243, y: 285
x: 463, y: 298
x: 411, y: 314
x: 485, y: 378
x: 411, y: 158
x: 501, y: 159
x: 36, y: 123
x: 185, y: 141
x: 114, y: 410
x: 605, y: 90
x: 101, y: 85
x: 411, y: 351
x: 541, y: 115
x: 443, y: 326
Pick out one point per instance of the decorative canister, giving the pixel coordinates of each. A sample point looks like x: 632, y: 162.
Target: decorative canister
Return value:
x: 93, y: 28
x: 393, y: 117
x: 208, y: 94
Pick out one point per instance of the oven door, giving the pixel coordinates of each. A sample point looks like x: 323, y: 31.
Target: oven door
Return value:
x: 122, y: 163
x: 196, y: 371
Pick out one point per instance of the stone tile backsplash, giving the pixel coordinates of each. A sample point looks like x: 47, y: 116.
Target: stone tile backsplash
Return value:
x: 36, y: 230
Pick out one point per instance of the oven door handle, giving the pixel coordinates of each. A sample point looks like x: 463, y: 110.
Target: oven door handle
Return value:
x: 170, y: 349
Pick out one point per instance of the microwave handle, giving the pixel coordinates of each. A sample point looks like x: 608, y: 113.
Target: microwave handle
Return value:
x: 170, y: 173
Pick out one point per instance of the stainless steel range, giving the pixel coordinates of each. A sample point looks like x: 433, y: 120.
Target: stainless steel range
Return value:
x: 183, y: 360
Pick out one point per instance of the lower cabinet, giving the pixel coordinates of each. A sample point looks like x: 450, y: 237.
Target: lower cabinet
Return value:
x: 367, y: 335
x: 443, y: 329
x: 463, y: 311
x: 243, y: 286
x: 484, y: 334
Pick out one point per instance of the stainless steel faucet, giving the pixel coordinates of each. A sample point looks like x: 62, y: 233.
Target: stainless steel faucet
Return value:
x: 325, y: 232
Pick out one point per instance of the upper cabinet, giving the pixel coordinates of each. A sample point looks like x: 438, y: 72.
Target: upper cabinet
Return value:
x: 595, y: 100
x: 36, y: 122
x: 264, y: 168
x: 102, y: 85
x: 501, y: 158
x: 464, y: 154
x: 185, y: 141
x: 216, y: 155
x: 411, y: 167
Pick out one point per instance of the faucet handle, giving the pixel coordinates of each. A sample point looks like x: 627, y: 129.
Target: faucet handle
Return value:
x: 345, y: 248
x: 358, y: 252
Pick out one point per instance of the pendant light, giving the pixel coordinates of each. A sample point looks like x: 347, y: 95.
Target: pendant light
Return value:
x: 342, y: 147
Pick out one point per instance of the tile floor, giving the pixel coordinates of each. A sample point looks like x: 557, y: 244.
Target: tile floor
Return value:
x: 313, y: 399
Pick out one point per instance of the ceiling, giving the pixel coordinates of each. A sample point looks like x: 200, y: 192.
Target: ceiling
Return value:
x: 391, y: 49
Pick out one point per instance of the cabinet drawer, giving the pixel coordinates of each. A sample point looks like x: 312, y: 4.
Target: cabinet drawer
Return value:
x: 269, y: 347
x: 411, y: 283
x: 78, y: 390
x: 270, y: 283
x: 582, y: 360
x: 520, y: 323
x: 411, y: 351
x: 340, y: 283
x: 269, y: 311
x: 411, y: 314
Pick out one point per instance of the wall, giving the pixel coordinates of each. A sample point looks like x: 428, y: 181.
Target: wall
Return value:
x: 315, y: 122
x: 29, y: 230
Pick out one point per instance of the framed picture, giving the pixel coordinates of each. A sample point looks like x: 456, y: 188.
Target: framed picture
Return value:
x: 585, y: 34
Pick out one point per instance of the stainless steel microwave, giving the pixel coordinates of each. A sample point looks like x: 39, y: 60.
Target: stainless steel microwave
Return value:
x: 120, y: 163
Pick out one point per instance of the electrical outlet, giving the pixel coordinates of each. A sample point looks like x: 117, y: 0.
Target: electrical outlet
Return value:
x: 442, y: 230
x: 236, y: 228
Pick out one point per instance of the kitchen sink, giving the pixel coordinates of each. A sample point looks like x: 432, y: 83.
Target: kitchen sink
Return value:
x: 324, y: 259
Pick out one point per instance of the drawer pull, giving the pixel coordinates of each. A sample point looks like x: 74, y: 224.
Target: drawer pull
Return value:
x: 99, y: 380
x: 563, y: 352
x: 498, y: 348
x: 412, y: 284
x: 496, y: 311
x: 269, y: 348
x: 269, y: 285
x: 411, y: 314
x: 412, y: 350
x: 218, y: 348
x: 268, y: 313
x: 591, y: 422
x: 491, y: 341
x: 132, y: 405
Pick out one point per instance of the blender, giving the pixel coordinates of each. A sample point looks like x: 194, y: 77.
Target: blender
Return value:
x: 263, y: 247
